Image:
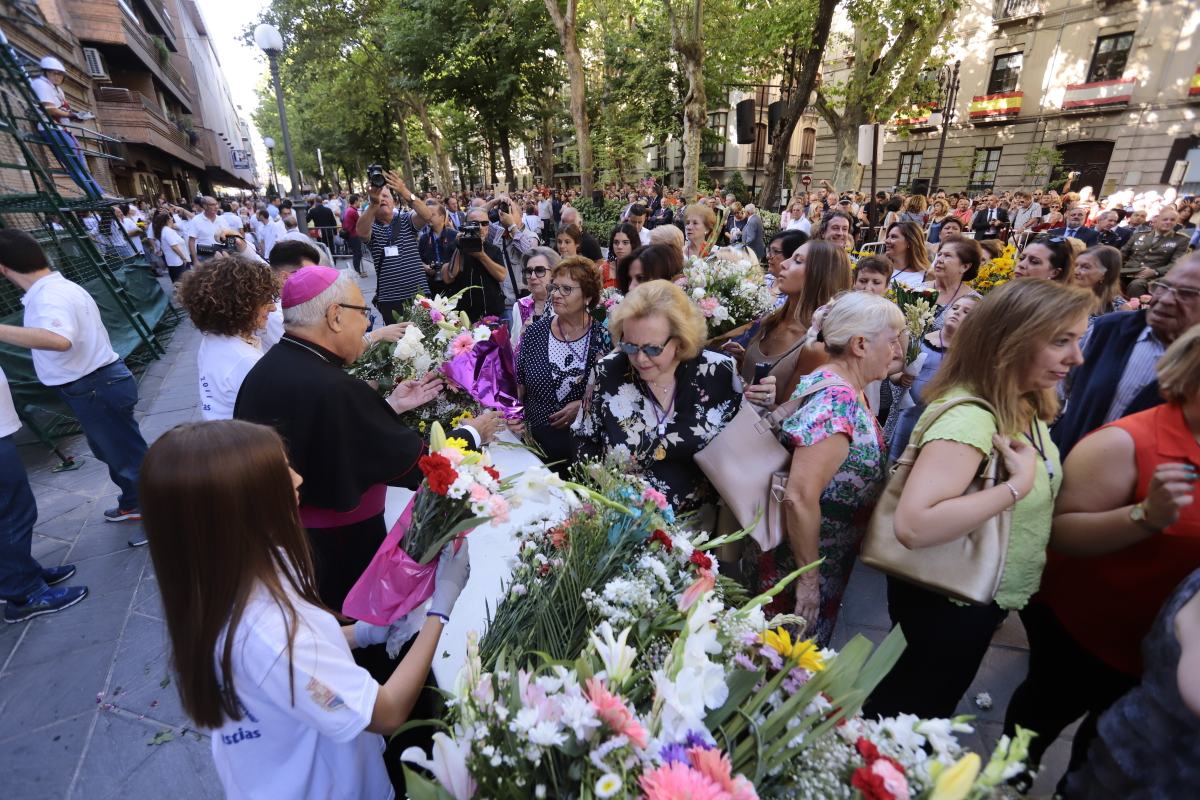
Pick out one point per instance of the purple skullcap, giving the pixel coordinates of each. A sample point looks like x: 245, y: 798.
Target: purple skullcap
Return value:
x: 306, y: 283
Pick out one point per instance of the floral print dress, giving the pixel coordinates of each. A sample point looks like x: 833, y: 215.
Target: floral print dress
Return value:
x: 846, y: 503
x: 620, y: 419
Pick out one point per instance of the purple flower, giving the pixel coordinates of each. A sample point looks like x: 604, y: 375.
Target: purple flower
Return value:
x: 744, y: 662
x: 673, y: 753
x: 695, y: 739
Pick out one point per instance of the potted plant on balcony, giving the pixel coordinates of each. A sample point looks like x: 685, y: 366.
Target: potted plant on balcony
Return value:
x: 164, y: 52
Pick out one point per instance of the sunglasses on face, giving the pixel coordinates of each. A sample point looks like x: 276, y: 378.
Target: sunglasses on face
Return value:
x: 538, y: 271
x: 651, y: 350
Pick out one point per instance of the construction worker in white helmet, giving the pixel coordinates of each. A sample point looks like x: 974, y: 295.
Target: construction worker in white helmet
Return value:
x: 48, y: 89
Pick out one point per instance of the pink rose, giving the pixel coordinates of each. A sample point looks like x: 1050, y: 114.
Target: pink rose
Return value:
x: 479, y: 494
x: 893, y: 779
x: 709, y: 305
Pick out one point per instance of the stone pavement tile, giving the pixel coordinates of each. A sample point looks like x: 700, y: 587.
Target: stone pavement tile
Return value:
x: 53, y: 640
x: 35, y: 695
x: 49, y: 551
x: 1054, y: 766
x: 9, y: 636
x: 39, y: 764
x: 53, y: 502
x: 103, y: 538
x: 1011, y: 633
x: 114, y: 573
x: 1001, y: 673
x: 844, y: 633
x: 121, y: 763
x: 140, y: 669
x: 146, y: 599
x: 865, y: 600
x: 66, y: 527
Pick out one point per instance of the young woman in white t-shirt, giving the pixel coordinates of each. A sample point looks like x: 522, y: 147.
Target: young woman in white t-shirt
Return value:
x: 229, y: 298
x: 171, y: 243
x: 259, y: 660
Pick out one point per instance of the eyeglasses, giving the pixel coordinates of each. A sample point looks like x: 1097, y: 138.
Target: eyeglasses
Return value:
x: 1052, y: 240
x: 538, y: 271
x: 366, y: 311
x: 565, y: 291
x: 1186, y: 294
x: 651, y: 350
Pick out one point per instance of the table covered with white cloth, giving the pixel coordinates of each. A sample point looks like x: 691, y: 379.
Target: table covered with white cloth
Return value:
x: 492, y: 550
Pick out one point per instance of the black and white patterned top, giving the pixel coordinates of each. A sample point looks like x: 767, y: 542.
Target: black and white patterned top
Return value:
x: 401, y: 276
x: 555, y: 372
x: 620, y: 418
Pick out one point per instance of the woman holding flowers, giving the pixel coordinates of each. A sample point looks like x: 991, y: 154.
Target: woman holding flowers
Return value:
x: 1012, y: 351
x: 838, y: 460
x: 1098, y: 269
x: 904, y: 246
x: 259, y: 659
x: 1051, y: 259
x: 699, y: 223
x: 661, y: 397
x: 536, y: 267
x: 557, y: 355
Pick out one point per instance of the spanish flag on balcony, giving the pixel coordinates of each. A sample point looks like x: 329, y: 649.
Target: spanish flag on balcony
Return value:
x: 1194, y: 91
x: 985, y: 106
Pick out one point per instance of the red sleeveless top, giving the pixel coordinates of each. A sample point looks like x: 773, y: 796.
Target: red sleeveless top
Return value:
x: 1108, y: 603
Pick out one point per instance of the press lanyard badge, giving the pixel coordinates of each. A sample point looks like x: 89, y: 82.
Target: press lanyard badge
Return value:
x: 391, y: 251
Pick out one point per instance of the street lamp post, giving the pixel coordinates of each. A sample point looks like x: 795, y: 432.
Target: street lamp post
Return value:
x: 269, y: 143
x: 948, y: 91
x: 269, y: 40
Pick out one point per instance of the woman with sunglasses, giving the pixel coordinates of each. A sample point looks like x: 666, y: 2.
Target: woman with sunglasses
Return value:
x: 535, y: 271
x: 1051, y: 259
x: 557, y: 355
x: 661, y: 397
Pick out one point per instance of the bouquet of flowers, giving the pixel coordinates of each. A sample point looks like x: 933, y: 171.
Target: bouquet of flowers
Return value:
x: 461, y: 490
x: 996, y: 272
x: 918, y: 308
x: 610, y: 298
x: 729, y: 293
x: 676, y: 685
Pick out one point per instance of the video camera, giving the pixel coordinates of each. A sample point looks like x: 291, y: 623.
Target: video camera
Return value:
x: 470, y: 238
x: 375, y: 176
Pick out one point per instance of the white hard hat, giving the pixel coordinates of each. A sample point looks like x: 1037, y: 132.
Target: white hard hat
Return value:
x: 52, y: 63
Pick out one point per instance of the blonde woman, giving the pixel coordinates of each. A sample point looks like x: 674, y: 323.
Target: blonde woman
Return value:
x: 1013, y: 350
x: 838, y: 460
x: 699, y: 223
x: 913, y: 209
x: 793, y: 216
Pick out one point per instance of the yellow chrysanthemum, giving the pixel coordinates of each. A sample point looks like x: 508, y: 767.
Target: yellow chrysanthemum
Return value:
x: 803, y: 654
x: 458, y: 444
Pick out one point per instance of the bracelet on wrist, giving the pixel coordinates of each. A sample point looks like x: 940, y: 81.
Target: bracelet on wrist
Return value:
x: 1015, y: 494
x: 437, y: 614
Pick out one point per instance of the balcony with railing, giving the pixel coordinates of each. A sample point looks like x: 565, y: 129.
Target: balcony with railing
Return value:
x: 132, y: 117
x: 1017, y: 10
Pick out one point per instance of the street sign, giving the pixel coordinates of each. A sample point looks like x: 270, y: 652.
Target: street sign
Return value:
x: 806, y: 180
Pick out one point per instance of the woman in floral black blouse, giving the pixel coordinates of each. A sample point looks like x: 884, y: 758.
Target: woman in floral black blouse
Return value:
x: 661, y: 397
x: 557, y: 355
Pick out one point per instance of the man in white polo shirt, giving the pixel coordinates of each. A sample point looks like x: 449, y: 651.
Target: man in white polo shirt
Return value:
x: 73, y: 354
x: 26, y: 586
x: 205, y: 232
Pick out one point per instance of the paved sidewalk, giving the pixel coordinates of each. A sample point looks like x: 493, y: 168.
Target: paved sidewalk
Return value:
x: 87, y: 705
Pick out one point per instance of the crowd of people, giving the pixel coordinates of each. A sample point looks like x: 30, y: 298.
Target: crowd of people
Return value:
x: 1080, y: 374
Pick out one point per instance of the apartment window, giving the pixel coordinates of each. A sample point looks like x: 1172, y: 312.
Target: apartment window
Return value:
x: 1108, y: 62
x: 983, y: 171
x: 910, y: 169
x: 712, y: 147
x: 1005, y: 71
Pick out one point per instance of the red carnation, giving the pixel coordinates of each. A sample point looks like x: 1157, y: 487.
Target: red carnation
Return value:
x: 492, y: 471
x: 870, y: 785
x: 867, y: 749
x: 700, y: 560
x: 438, y: 472
x: 661, y: 537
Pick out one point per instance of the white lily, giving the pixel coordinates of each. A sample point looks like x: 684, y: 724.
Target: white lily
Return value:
x: 617, y: 656
x: 448, y: 765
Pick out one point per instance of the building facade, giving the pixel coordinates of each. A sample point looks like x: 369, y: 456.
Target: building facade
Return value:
x: 1106, y: 88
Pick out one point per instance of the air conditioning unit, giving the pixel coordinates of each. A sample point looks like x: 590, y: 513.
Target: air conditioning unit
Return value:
x: 806, y: 163
x: 95, y: 63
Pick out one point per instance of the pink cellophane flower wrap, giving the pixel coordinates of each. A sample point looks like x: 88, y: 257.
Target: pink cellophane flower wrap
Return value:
x: 393, y: 584
x: 488, y: 373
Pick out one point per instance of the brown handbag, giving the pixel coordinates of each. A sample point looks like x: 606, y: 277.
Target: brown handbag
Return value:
x: 748, y: 465
x: 967, y: 569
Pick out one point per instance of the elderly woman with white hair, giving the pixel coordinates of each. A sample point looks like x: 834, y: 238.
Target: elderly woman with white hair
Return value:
x: 839, y: 460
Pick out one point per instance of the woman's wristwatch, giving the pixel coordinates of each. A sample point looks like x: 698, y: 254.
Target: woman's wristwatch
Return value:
x: 1137, y: 515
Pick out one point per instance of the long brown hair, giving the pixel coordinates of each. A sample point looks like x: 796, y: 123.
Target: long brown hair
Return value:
x: 1108, y: 257
x: 220, y: 513
x: 1000, y: 338
x: 826, y: 273
x: 914, y: 237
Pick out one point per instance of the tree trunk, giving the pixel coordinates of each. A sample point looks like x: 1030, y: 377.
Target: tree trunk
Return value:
x: 687, y: 39
x: 548, y: 149
x: 805, y: 74
x: 491, y: 162
x: 406, y: 165
x: 564, y: 25
x: 442, y: 174
x: 847, y: 173
x: 506, y: 154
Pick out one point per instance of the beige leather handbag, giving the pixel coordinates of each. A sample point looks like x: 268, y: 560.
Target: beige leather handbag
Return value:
x: 749, y: 467
x: 967, y: 569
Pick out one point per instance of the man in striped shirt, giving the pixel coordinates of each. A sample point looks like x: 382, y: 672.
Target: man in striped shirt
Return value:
x: 392, y: 236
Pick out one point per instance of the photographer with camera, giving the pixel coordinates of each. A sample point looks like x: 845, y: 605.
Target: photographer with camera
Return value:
x: 510, y: 234
x: 392, y: 236
x: 476, y: 266
x: 437, y: 245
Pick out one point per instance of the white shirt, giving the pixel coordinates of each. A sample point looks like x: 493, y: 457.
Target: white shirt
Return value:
x: 533, y: 222
x: 912, y: 280
x: 133, y: 230
x: 223, y: 362
x: 644, y: 235
x: 9, y: 421
x: 271, y: 334
x: 205, y: 230
x: 65, y: 308
x: 230, y: 220
x: 47, y: 92
x: 297, y: 236
x: 170, y: 237
x: 312, y: 744
x: 272, y: 232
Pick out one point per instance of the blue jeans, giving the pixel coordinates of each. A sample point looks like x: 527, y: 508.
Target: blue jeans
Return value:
x: 20, y: 573
x: 103, y: 403
x: 66, y: 149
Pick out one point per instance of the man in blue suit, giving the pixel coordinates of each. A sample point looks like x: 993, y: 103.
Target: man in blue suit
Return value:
x: 1073, y: 227
x: 1121, y: 350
